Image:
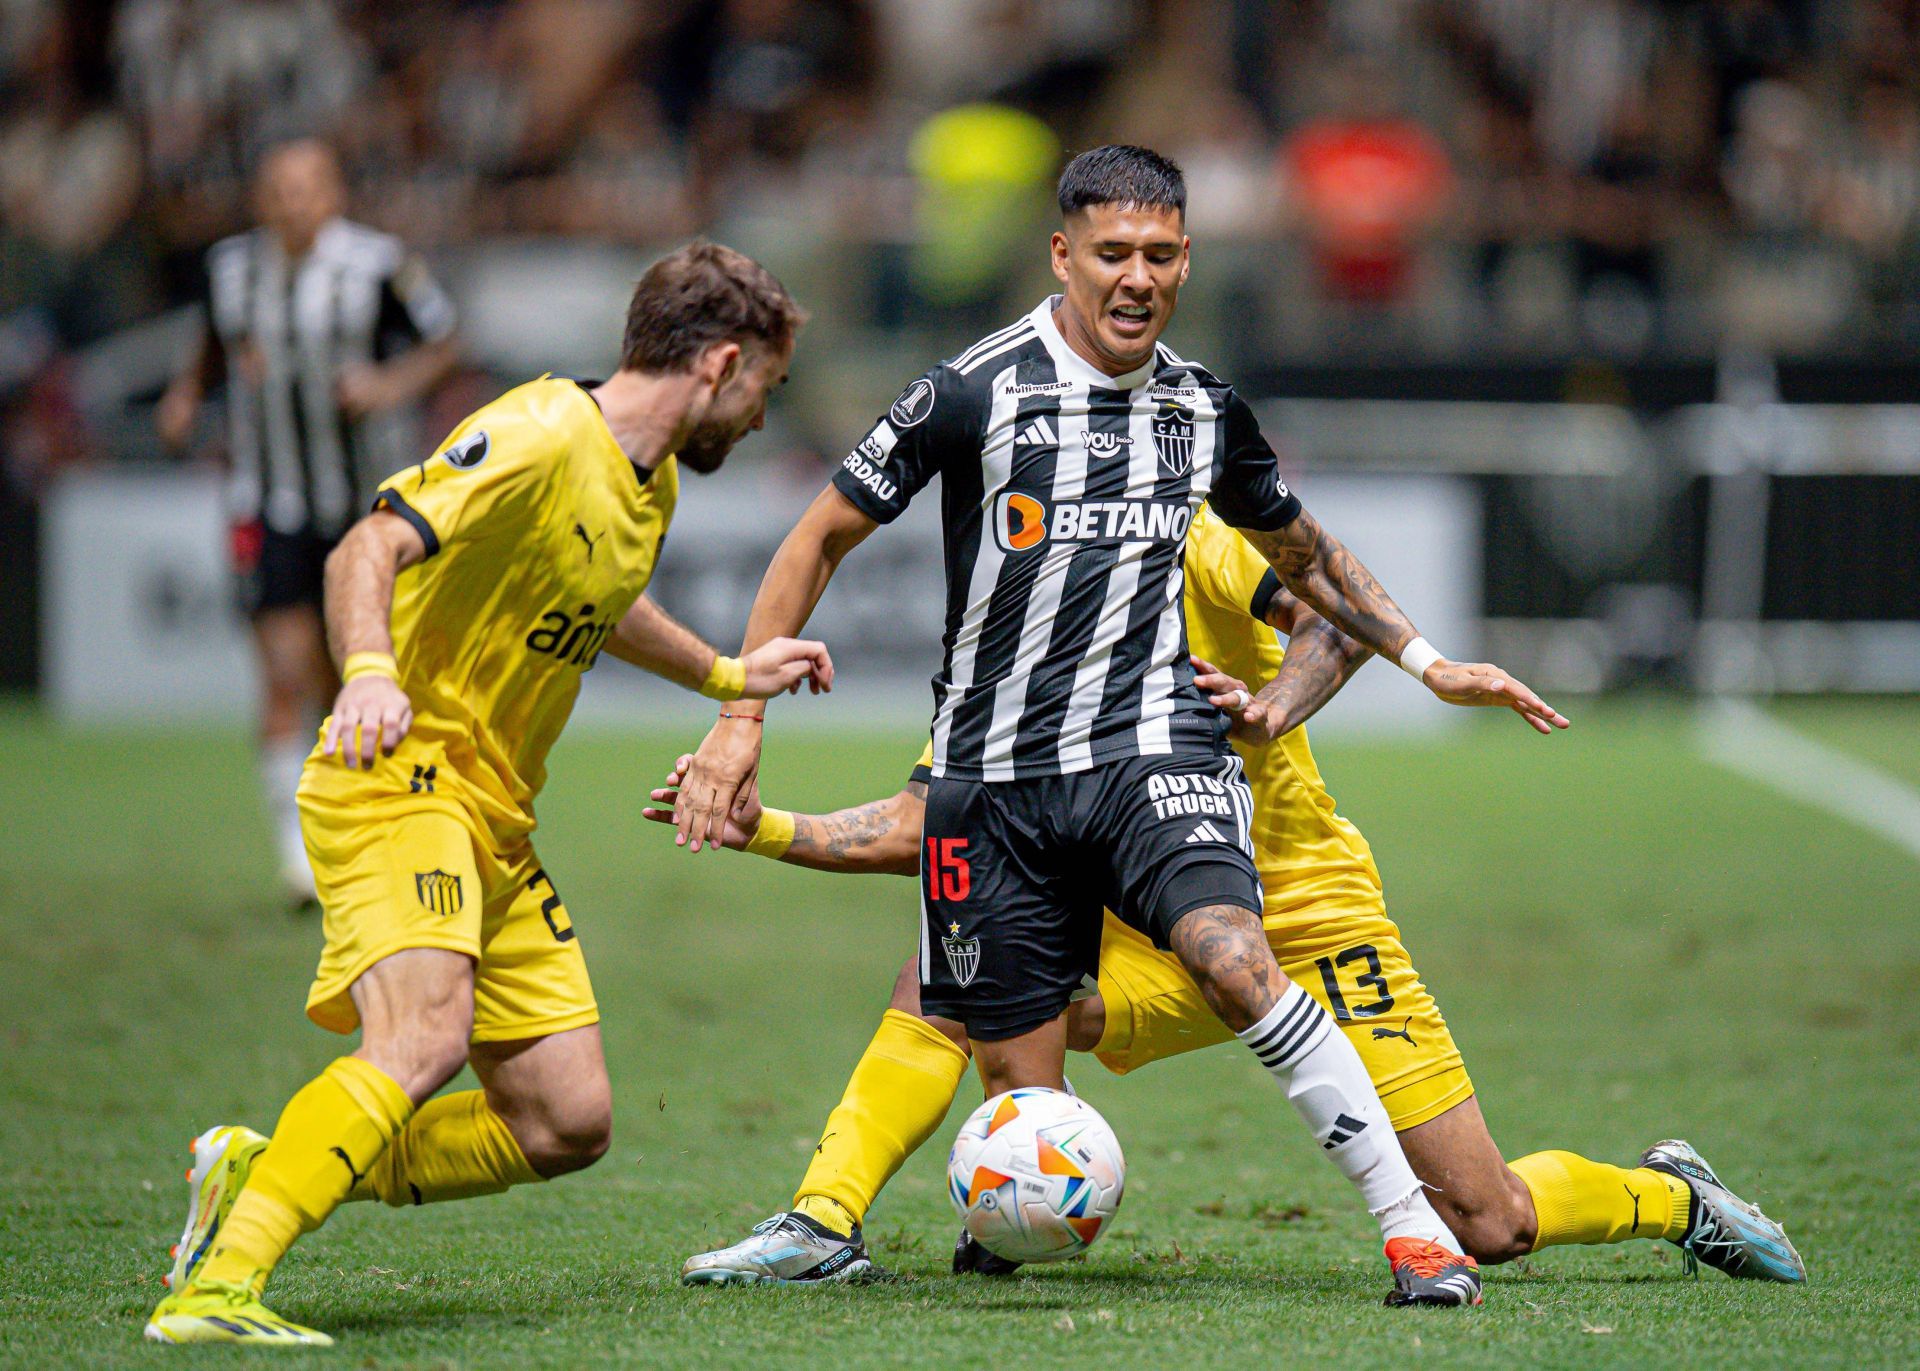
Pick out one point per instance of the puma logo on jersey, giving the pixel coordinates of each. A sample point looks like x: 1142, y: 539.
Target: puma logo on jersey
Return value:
x: 1039, y: 433
x: 580, y: 530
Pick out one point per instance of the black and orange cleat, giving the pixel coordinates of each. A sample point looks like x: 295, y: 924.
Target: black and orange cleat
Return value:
x: 1426, y: 1273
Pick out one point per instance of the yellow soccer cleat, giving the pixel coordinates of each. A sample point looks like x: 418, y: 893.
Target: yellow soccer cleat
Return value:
x: 223, y: 1158
x: 214, y: 1311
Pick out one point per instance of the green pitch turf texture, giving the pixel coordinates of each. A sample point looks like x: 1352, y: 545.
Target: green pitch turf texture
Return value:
x: 1628, y: 942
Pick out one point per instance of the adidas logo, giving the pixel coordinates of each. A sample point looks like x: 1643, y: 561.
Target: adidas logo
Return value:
x: 1039, y: 433
x: 1345, y: 1129
x: 1205, y: 832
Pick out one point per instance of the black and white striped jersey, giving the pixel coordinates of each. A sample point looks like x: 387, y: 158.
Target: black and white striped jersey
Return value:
x: 284, y: 330
x: 1066, y: 496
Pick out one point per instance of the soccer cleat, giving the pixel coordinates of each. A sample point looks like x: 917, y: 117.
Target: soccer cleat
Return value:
x: 971, y: 1257
x: 223, y: 1158
x: 214, y: 1311
x: 1723, y: 1230
x: 1426, y: 1273
x: 787, y: 1249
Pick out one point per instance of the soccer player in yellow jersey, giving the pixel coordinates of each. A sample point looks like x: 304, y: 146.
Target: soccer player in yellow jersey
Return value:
x: 463, y: 613
x: 1326, y: 919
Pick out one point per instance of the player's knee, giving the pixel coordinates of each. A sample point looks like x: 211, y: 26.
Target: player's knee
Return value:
x: 419, y: 1062
x: 571, y: 1139
x: 1086, y: 1023
x: 1225, y: 950
x: 906, y: 989
x: 1498, y: 1230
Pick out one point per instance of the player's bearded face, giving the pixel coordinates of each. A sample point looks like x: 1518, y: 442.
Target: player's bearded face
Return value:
x: 1123, y: 268
x: 737, y: 409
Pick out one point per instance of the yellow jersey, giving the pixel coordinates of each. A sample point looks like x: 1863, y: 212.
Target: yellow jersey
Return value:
x: 540, y: 535
x: 1306, y: 853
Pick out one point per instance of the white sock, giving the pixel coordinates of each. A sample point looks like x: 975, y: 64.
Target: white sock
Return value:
x: 281, y: 761
x: 1329, y: 1087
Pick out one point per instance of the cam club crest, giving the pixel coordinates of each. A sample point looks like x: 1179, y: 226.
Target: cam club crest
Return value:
x: 1173, y: 437
x: 963, y: 955
x: 439, y: 891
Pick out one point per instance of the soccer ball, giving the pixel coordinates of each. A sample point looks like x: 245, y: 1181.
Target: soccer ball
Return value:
x: 1036, y: 1174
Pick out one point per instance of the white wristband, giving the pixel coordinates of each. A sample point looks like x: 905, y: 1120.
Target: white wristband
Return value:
x: 1417, y: 656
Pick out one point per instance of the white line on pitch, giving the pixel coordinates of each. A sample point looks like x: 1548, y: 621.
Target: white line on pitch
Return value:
x: 1744, y: 738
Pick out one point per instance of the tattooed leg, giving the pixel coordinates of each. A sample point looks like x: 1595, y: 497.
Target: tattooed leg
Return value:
x: 1224, y: 948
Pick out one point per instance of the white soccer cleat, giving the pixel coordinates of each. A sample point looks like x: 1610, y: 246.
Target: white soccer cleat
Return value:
x: 787, y: 1249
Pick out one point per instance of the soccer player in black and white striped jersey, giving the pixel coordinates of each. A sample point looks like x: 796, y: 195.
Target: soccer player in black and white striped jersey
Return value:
x: 1075, y: 763
x: 323, y: 332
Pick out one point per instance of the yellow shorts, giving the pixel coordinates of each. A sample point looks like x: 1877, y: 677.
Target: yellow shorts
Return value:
x: 408, y: 871
x: 1348, y: 957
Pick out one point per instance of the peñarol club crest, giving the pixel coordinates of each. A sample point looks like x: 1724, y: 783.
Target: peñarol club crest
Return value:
x: 439, y: 891
x: 1173, y: 437
x: 963, y: 955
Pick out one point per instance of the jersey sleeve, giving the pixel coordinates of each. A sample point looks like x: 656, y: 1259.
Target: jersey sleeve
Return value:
x: 922, y: 769
x: 930, y: 422
x: 413, y: 307
x: 485, y: 480
x: 1248, y: 491
x: 1224, y: 570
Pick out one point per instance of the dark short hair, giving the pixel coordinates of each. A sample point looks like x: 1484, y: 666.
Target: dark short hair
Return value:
x: 1125, y: 175
x: 701, y: 295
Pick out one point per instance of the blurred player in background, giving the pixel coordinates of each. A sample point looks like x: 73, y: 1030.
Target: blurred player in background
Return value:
x: 322, y: 332
x: 464, y: 612
x: 1326, y: 920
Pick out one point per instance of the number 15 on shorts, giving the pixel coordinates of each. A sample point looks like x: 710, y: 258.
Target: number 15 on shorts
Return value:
x: 949, y: 877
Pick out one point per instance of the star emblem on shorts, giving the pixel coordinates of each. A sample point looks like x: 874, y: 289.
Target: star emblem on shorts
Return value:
x: 953, y: 930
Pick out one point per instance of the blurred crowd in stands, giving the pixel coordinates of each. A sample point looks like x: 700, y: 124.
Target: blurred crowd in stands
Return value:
x: 1370, y: 179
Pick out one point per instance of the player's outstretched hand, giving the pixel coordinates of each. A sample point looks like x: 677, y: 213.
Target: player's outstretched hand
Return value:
x: 1229, y: 695
x: 783, y: 663
x: 371, y: 714
x: 1482, y: 683
x: 714, y: 780
x: 742, y: 823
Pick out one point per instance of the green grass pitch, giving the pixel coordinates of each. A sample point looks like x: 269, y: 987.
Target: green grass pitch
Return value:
x: 1627, y: 941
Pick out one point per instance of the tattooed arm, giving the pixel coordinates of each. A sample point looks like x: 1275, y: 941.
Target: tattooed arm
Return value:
x: 882, y: 837
x: 1314, y: 565
x: 879, y: 838
x: 1320, y: 660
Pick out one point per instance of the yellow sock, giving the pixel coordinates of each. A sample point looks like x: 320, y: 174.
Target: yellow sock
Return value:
x: 330, y: 1134
x: 897, y: 1096
x: 456, y: 1147
x: 1580, y: 1201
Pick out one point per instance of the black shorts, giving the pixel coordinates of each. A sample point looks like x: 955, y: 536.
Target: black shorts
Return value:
x: 1014, y: 875
x: 273, y: 570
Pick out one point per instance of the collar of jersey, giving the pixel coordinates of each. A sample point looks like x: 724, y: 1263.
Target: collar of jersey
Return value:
x: 1071, y: 366
x: 586, y: 388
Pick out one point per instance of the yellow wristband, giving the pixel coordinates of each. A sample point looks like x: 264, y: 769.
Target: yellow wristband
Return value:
x: 775, y: 834
x: 360, y: 664
x: 727, y: 680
